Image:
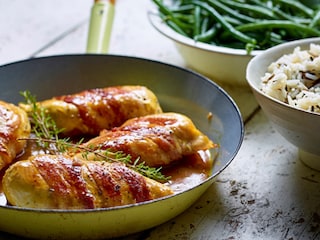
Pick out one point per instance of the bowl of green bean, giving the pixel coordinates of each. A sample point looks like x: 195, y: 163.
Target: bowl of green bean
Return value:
x: 218, y: 38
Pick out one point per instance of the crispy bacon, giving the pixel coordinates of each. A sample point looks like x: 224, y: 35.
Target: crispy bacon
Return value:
x: 88, y: 112
x: 14, y: 124
x: 62, y: 182
x: 157, y: 139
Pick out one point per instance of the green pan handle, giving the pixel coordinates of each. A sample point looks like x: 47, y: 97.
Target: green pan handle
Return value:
x: 101, y: 21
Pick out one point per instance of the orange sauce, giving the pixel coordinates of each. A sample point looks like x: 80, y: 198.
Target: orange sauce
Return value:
x: 190, y: 171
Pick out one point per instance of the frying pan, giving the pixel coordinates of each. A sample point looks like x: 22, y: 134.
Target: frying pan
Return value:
x: 178, y: 89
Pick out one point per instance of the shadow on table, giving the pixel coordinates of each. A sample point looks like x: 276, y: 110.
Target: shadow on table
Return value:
x: 307, y: 198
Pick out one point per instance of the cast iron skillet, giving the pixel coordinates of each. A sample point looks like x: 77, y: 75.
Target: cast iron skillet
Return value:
x: 178, y: 90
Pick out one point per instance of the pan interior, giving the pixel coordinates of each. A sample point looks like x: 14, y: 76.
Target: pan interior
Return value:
x: 179, y: 90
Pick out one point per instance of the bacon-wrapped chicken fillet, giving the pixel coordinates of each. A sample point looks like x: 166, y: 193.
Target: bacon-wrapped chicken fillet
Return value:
x: 62, y: 182
x: 14, y: 124
x: 88, y: 112
x: 157, y: 139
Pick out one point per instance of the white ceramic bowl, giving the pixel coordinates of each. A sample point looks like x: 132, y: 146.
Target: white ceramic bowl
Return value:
x: 299, y: 127
x: 221, y: 64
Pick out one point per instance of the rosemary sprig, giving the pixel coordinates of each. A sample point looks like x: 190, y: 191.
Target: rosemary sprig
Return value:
x: 43, y: 126
x: 47, y: 137
x: 153, y: 173
x: 62, y: 146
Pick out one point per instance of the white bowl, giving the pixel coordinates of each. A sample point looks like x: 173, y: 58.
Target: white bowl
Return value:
x: 299, y: 127
x: 221, y: 64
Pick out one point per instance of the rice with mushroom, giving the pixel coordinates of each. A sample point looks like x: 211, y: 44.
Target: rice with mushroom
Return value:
x: 295, y: 79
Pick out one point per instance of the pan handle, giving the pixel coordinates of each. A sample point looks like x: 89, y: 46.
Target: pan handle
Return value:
x: 100, y: 28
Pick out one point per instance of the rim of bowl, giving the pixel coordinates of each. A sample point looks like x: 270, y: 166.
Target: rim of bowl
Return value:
x: 277, y: 52
x: 165, y: 30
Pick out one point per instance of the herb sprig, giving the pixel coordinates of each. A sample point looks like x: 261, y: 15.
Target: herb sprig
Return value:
x: 47, y: 136
x: 43, y: 126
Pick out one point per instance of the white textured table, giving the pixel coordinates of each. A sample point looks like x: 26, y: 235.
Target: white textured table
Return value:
x: 265, y: 193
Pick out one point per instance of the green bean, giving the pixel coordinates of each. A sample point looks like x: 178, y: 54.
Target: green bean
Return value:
x: 298, y: 6
x: 233, y: 21
x: 275, y: 8
x: 227, y: 26
x: 185, y: 18
x: 206, y: 36
x: 162, y: 8
x: 283, y: 15
x: 271, y: 37
x: 276, y: 37
x: 205, y: 25
x: 169, y: 16
x: 280, y: 24
x: 315, y: 19
x: 174, y: 26
x: 253, y: 9
x: 197, y: 21
x: 182, y: 9
x: 216, y: 4
x: 259, y: 3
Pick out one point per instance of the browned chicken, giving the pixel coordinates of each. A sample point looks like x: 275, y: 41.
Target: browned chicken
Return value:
x: 157, y: 139
x: 90, y: 111
x: 14, y: 124
x: 61, y: 182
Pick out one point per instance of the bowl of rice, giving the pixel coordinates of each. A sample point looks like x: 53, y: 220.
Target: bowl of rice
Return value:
x: 285, y: 80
